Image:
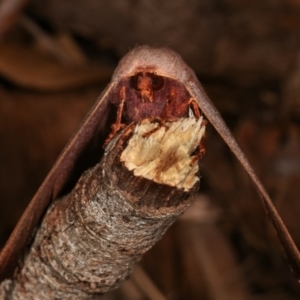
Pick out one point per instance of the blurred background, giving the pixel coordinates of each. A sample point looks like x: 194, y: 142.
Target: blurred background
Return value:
x: 56, y: 56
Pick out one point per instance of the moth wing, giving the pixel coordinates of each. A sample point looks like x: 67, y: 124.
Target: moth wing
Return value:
x: 55, y: 182
x: 212, y: 114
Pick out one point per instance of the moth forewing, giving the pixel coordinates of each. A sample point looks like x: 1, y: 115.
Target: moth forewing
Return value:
x: 53, y: 184
x: 216, y: 120
x: 136, y: 73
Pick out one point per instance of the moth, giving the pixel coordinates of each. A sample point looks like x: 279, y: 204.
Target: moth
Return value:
x: 147, y: 83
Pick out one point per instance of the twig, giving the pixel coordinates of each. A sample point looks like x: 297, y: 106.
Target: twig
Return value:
x: 91, y: 239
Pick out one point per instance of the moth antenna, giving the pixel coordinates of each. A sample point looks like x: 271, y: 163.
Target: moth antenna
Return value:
x: 195, y: 108
x: 117, y: 125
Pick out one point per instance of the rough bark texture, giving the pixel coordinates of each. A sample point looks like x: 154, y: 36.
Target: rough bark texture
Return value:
x: 91, y: 239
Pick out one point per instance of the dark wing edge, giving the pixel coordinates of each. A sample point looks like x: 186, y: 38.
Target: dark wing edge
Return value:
x: 212, y: 114
x: 51, y: 186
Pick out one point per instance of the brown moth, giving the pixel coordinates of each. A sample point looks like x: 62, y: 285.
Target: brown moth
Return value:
x: 148, y: 83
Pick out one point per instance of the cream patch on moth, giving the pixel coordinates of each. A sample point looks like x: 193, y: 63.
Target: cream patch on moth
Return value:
x: 166, y: 155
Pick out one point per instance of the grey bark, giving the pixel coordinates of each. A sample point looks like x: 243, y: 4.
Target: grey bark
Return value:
x: 91, y: 239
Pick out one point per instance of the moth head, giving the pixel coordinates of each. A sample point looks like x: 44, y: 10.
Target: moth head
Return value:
x: 145, y: 82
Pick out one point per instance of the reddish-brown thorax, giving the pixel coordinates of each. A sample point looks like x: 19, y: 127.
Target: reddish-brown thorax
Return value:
x: 149, y: 95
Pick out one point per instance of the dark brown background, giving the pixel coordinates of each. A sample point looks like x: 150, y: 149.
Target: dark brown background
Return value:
x: 57, y: 56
